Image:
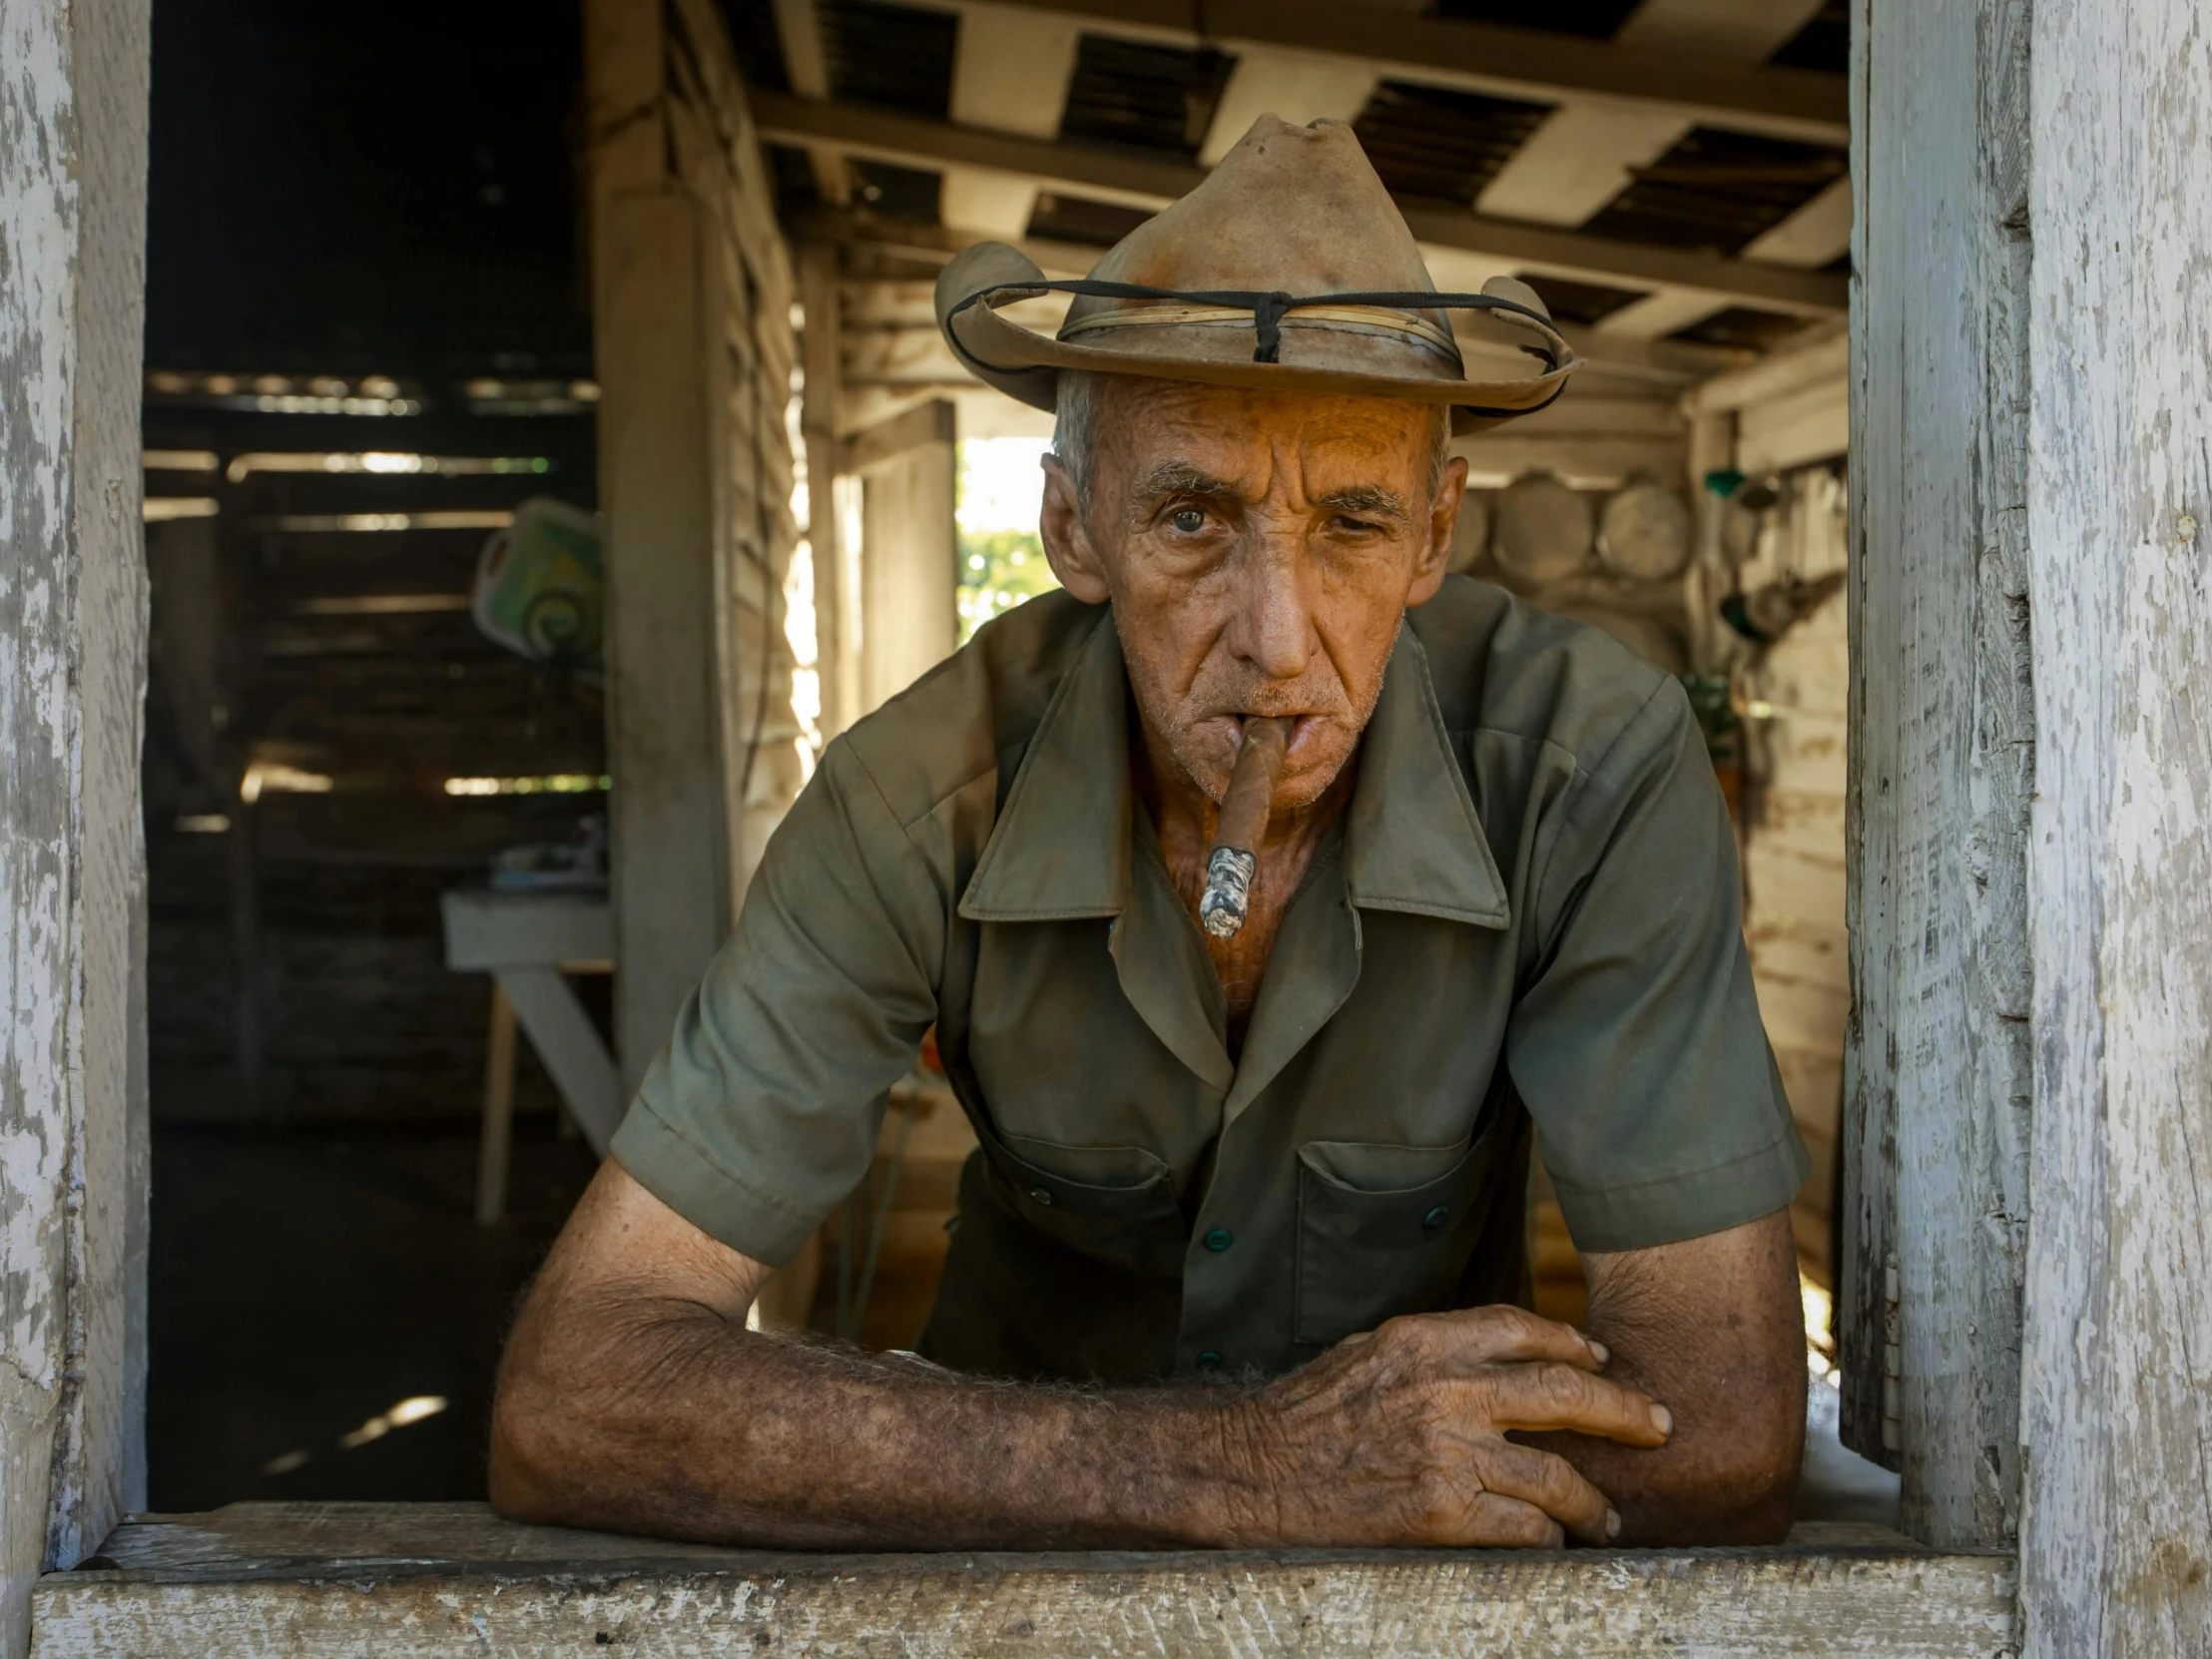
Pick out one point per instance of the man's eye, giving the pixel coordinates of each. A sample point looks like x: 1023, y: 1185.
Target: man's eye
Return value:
x: 1354, y: 526
x: 1189, y: 520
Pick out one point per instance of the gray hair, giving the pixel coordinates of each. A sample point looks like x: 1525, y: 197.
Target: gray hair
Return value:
x: 1075, y: 414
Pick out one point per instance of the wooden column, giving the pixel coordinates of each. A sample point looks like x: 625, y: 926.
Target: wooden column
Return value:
x: 910, y: 548
x: 1937, y: 1064
x: 837, y: 608
x: 73, y: 109
x: 2116, y: 1539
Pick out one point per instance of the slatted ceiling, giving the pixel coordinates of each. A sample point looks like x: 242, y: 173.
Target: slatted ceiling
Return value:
x: 1138, y: 95
x: 1741, y: 327
x: 1824, y: 43
x: 759, y: 49
x: 1440, y: 144
x: 1718, y: 191
x: 1594, y: 19
x: 893, y: 57
x: 1078, y: 219
x: 908, y: 193
x: 794, y: 173
x: 1581, y: 304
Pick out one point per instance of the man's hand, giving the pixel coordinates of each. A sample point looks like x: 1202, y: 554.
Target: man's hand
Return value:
x: 1397, y: 1436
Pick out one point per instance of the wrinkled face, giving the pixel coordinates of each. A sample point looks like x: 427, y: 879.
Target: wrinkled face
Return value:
x: 1260, y: 552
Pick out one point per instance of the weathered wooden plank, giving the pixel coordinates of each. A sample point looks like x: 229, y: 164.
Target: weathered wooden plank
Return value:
x: 1941, y: 767
x: 438, y: 1579
x: 72, y: 862
x: 2116, y: 1540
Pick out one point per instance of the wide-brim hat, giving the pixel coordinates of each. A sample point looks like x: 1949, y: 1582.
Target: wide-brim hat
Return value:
x: 1289, y: 268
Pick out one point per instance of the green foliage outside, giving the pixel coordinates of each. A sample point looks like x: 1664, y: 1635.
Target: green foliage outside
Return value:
x: 998, y: 570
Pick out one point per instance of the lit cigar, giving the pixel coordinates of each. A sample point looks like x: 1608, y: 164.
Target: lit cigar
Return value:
x: 1244, y: 823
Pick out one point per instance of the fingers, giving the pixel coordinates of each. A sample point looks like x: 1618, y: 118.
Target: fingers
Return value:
x: 1552, y: 1484
x: 1552, y: 1397
x: 1500, y: 1336
x: 1495, y: 1520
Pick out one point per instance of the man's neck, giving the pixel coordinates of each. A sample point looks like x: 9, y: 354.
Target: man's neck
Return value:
x: 1184, y: 818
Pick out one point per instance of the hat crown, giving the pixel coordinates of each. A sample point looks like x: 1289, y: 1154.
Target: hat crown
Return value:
x: 1296, y: 208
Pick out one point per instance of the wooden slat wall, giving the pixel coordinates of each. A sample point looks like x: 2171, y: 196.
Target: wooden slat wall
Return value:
x: 1794, y: 842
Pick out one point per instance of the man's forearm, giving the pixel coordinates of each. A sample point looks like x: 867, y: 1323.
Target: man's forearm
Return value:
x: 667, y: 1417
x: 1732, y: 1377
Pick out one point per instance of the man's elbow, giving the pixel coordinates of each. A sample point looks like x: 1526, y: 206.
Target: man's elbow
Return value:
x: 1757, y: 1489
x: 524, y: 1468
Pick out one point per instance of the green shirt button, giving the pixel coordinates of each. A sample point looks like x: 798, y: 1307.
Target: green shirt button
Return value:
x: 1041, y: 1196
x: 1209, y: 1360
x: 1219, y: 1240
x: 1436, y: 1217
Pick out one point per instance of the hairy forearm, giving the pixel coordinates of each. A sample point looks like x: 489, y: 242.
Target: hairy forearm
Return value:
x: 667, y: 1417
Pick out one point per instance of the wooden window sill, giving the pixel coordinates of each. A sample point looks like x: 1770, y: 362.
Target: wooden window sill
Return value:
x: 299, y: 1581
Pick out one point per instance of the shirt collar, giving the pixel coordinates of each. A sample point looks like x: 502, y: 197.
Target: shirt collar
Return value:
x: 1061, y: 846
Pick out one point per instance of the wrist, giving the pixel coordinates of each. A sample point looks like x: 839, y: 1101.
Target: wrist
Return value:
x: 1237, y: 1501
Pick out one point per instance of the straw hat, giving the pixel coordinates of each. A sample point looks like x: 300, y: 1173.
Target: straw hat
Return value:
x: 1289, y: 268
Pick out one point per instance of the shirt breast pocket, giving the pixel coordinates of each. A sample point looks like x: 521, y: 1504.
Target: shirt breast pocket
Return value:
x: 1385, y: 1230
x: 1114, y: 1203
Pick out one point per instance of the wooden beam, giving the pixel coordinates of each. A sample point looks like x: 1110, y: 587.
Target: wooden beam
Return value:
x: 1010, y: 74
x: 1697, y: 87
x: 1585, y: 155
x: 807, y: 69
x: 1937, y: 1067
x: 2116, y: 1538
x: 1148, y: 183
x: 73, y: 1153
x: 406, y: 1581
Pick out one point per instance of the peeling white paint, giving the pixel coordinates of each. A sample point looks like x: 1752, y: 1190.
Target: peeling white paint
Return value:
x: 72, y: 176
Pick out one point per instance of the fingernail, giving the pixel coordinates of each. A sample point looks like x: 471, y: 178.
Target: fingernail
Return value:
x: 1598, y: 1351
x: 1662, y: 1419
x: 1612, y: 1523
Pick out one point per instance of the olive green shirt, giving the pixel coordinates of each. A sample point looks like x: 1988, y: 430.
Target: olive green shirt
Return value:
x: 1531, y: 896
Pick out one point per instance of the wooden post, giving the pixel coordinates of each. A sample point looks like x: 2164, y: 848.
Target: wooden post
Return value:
x: 1937, y: 1064
x: 73, y: 110
x: 2116, y: 1539
x: 910, y: 548
x: 837, y: 659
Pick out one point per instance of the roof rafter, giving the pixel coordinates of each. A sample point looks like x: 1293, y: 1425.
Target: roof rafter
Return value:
x: 1143, y: 182
x: 1697, y: 87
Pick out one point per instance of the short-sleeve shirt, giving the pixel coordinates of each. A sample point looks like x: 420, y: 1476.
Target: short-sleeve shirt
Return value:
x: 1527, y: 912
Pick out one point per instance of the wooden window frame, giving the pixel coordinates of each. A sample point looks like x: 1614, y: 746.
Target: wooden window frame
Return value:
x: 2028, y: 1059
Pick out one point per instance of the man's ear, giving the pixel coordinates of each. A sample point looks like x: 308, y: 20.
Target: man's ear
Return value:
x: 1067, y: 540
x: 1443, y: 515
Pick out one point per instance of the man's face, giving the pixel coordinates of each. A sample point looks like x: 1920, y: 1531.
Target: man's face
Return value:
x: 1260, y: 552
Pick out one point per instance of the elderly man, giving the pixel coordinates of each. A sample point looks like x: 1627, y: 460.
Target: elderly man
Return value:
x: 1241, y: 1257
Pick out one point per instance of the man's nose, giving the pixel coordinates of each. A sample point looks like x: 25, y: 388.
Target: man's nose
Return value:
x: 1274, y: 626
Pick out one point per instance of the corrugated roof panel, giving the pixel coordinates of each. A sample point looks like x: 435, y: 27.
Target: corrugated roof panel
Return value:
x: 1059, y: 218
x: 1581, y: 304
x: 908, y: 193
x: 1742, y: 326
x: 758, y: 49
x: 1158, y: 99
x: 1718, y: 191
x: 1595, y: 19
x: 895, y: 57
x: 1436, y: 143
x: 794, y: 173
x: 1824, y: 43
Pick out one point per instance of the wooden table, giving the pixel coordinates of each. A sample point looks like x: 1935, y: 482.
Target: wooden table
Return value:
x: 527, y: 941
